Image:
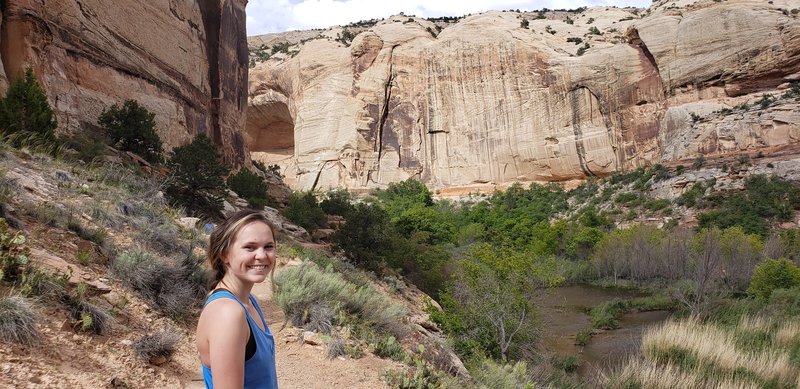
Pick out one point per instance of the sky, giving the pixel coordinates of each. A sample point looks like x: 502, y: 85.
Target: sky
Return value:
x: 266, y: 16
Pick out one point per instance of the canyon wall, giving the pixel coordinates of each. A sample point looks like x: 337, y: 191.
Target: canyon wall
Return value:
x: 185, y: 61
x: 487, y: 101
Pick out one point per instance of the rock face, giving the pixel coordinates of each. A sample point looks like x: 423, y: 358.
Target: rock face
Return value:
x: 486, y: 101
x: 186, y: 61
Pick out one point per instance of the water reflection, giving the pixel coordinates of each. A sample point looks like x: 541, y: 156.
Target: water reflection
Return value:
x: 565, y: 313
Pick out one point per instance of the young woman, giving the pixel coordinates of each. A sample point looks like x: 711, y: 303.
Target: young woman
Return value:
x: 236, y: 347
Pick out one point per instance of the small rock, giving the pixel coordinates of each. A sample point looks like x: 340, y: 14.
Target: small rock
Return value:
x: 311, y: 338
x: 61, y: 175
x: 6, y: 368
x: 159, y: 360
x: 114, y: 299
x: 126, y: 342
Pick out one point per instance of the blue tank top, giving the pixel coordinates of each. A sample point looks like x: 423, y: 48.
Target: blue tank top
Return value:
x: 259, y: 370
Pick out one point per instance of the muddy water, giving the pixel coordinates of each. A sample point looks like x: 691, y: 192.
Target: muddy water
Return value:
x: 565, y: 313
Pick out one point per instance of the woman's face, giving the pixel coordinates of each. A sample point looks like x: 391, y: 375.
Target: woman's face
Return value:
x: 251, y: 257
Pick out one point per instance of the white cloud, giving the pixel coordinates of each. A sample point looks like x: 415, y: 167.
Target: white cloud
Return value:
x: 265, y: 16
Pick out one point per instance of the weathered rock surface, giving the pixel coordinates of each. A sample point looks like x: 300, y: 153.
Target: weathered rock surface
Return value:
x: 487, y: 102
x: 185, y: 61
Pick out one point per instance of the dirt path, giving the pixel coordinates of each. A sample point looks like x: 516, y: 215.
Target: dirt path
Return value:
x: 303, y: 366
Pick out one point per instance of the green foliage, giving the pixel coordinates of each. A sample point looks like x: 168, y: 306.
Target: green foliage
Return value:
x: 304, y: 210
x: 345, y: 37
x: 421, y: 376
x: 524, y: 23
x: 337, y: 202
x: 774, y: 274
x: 400, y: 196
x: 18, y: 321
x: 488, y: 309
x: 582, y: 49
x: 14, y: 254
x: 86, y: 316
x: 308, y: 294
x: 250, y: 186
x: 575, y: 40
x: 132, y: 128
x: 425, y: 219
x: 691, y: 198
x: 365, y: 238
x: 493, y: 375
x: 594, y: 30
x: 197, y: 182
x: 583, y: 337
x: 569, y: 364
x: 764, y: 198
x: 25, y: 111
x: 389, y: 347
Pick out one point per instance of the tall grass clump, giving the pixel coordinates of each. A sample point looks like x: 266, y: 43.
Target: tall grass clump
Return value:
x: 489, y: 374
x: 159, y: 344
x: 314, y: 298
x: 18, y: 321
x: 176, y: 287
x: 707, y: 355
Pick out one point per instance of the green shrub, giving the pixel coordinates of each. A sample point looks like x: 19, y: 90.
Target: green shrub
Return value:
x: 494, y: 375
x: 132, y: 128
x: 656, y: 205
x: 764, y: 199
x: 337, y: 202
x: 302, y: 288
x: 774, y: 274
x: 389, y: 347
x: 524, y: 23
x: 88, y: 317
x: 25, y: 110
x: 13, y: 252
x: 569, y: 364
x: 18, y: 321
x: 304, y: 210
x: 197, y: 182
x: 251, y: 187
x: 366, y: 236
x: 583, y: 337
x: 84, y: 257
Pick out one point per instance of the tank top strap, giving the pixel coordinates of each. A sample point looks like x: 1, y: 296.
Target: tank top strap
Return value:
x: 260, y: 313
x: 224, y: 293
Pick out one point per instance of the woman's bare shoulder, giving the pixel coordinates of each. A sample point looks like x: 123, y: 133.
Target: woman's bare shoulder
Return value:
x: 224, y: 309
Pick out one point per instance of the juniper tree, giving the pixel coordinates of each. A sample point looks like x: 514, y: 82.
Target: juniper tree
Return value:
x: 25, y: 109
x: 131, y: 128
x: 197, y: 178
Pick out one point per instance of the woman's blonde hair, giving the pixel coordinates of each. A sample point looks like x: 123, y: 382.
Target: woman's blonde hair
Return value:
x: 223, y: 236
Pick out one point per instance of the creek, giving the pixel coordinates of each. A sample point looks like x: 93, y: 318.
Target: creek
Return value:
x: 565, y: 312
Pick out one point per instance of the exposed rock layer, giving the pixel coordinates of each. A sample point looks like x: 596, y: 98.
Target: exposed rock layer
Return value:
x: 186, y: 61
x: 487, y: 101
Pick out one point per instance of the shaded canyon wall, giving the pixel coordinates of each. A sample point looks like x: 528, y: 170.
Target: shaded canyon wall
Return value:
x: 185, y: 61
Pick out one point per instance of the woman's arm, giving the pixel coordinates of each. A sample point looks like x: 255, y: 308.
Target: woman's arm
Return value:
x: 228, y: 333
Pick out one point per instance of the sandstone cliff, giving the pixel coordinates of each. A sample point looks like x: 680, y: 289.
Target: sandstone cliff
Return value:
x: 186, y: 61
x: 486, y: 101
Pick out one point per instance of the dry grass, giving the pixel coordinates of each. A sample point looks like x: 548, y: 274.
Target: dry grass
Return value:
x: 697, y: 346
x: 788, y: 333
x: 647, y: 374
